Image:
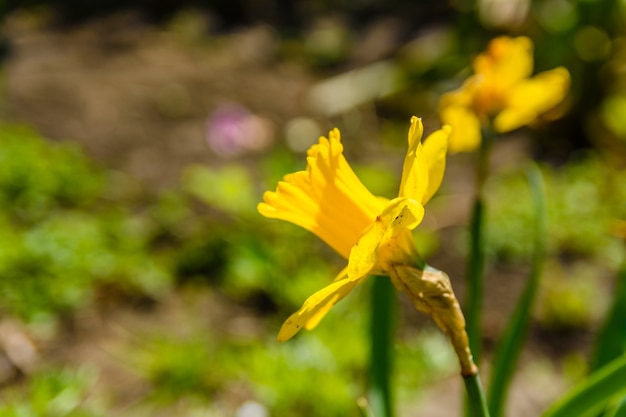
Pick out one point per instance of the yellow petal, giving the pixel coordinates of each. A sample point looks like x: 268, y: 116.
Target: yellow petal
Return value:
x: 466, y: 128
x: 415, y: 133
x: 506, y: 61
x: 327, y: 199
x: 435, y: 148
x: 397, y: 245
x: 364, y: 256
x: 415, y: 169
x: 400, y: 215
x: 424, y: 165
x: 463, y: 96
x: 314, y: 320
x: 316, y: 307
x: 530, y: 98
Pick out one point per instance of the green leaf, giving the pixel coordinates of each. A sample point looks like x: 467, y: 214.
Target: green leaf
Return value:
x: 591, y: 395
x: 508, y: 351
x: 618, y: 409
x: 611, y: 341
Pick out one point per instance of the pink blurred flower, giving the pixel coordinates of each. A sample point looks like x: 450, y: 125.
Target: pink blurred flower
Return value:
x: 233, y: 131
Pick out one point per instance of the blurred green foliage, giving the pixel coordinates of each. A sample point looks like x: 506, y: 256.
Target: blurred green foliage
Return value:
x: 37, y: 177
x: 179, y: 368
x: 61, y: 238
x: 583, y: 198
x: 291, y: 379
x: 56, y: 393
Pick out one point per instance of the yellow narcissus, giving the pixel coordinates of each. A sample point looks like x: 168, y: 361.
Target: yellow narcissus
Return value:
x: 501, y: 93
x: 372, y: 233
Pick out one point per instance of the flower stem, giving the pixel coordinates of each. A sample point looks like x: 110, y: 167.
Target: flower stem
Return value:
x: 474, y: 297
x: 476, y: 265
x: 477, y: 403
x: 381, y: 349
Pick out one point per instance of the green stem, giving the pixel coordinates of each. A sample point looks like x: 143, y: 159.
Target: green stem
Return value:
x: 512, y: 340
x: 381, y: 346
x: 477, y: 404
x: 476, y: 261
x: 476, y: 265
x: 474, y: 297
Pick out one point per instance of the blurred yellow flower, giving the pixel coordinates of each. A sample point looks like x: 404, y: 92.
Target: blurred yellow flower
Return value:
x: 373, y: 233
x: 501, y: 93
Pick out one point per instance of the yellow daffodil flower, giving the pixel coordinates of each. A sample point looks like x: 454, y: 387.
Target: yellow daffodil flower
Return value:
x: 501, y: 93
x: 372, y: 233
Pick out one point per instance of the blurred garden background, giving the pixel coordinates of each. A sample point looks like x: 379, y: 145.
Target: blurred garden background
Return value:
x: 136, y: 138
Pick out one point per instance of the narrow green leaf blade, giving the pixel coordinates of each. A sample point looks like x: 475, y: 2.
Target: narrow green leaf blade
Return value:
x: 611, y: 341
x: 593, y: 393
x: 512, y: 341
x: 618, y: 409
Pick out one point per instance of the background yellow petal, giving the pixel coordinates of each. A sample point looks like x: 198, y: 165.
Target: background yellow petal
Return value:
x: 463, y: 96
x: 506, y: 60
x: 529, y: 98
x: 466, y: 128
x: 316, y: 307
